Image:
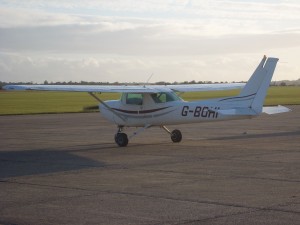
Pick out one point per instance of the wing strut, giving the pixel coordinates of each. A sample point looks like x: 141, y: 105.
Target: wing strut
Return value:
x: 108, y: 108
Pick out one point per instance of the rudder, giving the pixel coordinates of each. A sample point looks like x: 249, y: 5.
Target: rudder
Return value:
x: 258, y: 84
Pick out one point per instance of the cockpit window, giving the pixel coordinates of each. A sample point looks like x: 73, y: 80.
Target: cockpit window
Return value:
x: 163, y: 97
x: 134, y: 99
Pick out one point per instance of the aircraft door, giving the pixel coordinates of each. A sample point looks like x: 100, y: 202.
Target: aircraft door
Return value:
x: 133, y: 102
x: 131, y: 106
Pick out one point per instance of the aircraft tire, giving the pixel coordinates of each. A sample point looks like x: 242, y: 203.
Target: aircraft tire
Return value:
x: 121, y: 139
x: 176, y: 136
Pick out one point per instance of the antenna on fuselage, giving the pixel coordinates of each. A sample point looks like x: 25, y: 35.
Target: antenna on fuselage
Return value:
x: 147, y: 82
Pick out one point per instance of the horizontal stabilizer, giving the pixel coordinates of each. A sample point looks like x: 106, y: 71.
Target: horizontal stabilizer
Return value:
x: 237, y: 112
x: 275, y: 109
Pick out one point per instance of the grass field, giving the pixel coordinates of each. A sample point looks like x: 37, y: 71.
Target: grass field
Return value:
x: 36, y: 102
x: 276, y: 95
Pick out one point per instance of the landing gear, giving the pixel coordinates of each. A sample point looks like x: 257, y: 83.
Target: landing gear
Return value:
x: 121, y: 139
x: 176, y: 135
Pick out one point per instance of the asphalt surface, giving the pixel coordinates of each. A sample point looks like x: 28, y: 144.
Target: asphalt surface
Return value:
x: 66, y: 169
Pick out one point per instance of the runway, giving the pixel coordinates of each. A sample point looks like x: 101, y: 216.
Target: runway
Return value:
x: 66, y: 169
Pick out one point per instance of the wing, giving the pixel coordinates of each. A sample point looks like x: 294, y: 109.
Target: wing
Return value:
x: 87, y: 88
x: 205, y: 87
x: 128, y: 89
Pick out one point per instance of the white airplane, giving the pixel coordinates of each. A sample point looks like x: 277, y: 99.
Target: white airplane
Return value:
x: 159, y: 105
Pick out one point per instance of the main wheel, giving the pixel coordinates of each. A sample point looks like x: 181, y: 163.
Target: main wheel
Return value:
x: 176, y: 136
x: 121, y: 139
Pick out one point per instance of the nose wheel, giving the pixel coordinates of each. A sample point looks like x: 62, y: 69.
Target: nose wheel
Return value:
x: 176, y: 135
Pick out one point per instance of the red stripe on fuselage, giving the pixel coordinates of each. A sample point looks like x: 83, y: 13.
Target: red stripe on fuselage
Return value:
x: 139, y: 112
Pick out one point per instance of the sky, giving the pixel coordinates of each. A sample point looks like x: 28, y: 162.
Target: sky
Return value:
x: 128, y: 40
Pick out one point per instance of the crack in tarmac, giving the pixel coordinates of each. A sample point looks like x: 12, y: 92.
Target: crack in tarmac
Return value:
x: 96, y: 192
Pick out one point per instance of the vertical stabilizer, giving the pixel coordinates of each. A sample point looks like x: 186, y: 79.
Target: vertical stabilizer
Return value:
x: 258, y: 84
x: 255, y: 80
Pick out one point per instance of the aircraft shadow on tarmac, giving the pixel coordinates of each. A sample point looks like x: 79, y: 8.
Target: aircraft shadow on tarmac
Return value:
x: 34, y: 162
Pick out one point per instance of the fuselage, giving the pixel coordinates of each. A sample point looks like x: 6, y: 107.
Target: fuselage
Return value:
x: 171, y: 110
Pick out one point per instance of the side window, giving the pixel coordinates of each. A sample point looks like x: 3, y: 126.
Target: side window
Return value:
x: 158, y: 97
x: 134, y: 99
x: 164, y: 97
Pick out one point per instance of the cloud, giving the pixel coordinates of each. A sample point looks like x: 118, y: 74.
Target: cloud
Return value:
x: 124, y: 40
x: 259, y: 13
x: 103, y: 68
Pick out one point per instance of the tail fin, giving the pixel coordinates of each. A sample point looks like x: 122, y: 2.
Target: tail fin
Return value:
x: 256, y: 88
x: 251, y: 99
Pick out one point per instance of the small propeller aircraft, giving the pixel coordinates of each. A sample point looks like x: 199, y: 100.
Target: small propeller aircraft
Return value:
x: 159, y: 105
